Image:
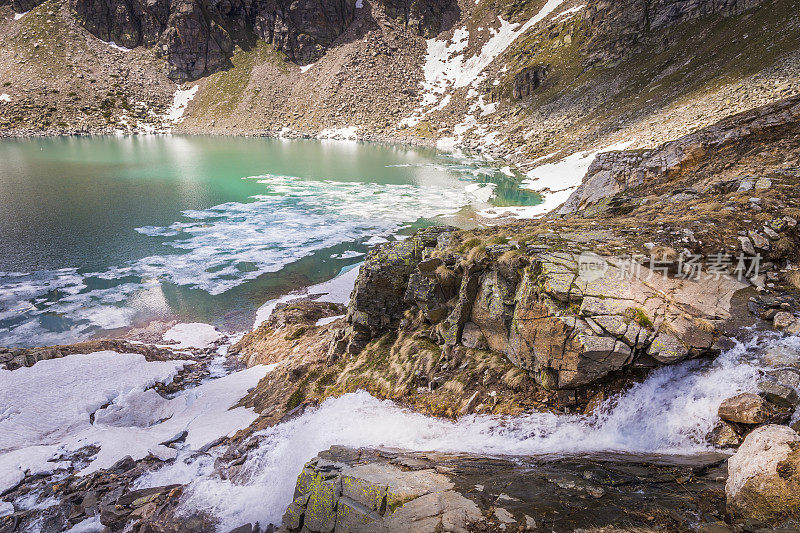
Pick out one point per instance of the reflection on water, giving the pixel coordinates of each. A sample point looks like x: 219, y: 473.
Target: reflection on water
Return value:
x: 100, y: 233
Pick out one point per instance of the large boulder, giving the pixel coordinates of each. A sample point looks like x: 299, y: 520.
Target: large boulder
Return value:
x: 747, y: 408
x: 764, y: 476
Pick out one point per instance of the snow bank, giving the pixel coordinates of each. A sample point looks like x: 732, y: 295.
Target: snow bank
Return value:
x: 327, y: 320
x: 179, y: 103
x: 554, y: 181
x: 47, y: 408
x: 116, y: 46
x: 569, y: 13
x: 193, y: 335
x: 445, y: 64
x: 349, y: 133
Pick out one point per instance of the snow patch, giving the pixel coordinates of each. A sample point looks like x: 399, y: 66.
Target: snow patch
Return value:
x: 306, y: 68
x: 336, y: 290
x: 483, y: 192
x: 327, y: 320
x: 445, y: 64
x: 555, y: 181
x: 349, y: 133
x: 569, y: 13
x: 5, y: 97
x: 18, y: 16
x: 193, y: 335
x: 179, y: 103
x: 48, y: 407
x: 116, y: 46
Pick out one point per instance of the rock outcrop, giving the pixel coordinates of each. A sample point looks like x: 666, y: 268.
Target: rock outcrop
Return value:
x: 617, y: 171
x: 567, y: 318
x: 14, y: 358
x: 361, y: 490
x: 764, y: 476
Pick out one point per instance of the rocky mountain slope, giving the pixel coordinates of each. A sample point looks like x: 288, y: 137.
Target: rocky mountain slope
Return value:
x: 517, y: 79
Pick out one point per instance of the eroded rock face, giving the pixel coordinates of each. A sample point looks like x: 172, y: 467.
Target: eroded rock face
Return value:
x: 378, y: 300
x: 360, y: 490
x: 764, y: 476
x: 566, y: 326
x: 197, y: 36
x: 613, y: 172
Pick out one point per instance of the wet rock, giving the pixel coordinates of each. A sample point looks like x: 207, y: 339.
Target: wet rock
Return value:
x: 393, y: 490
x: 780, y: 394
x: 724, y: 435
x: 764, y: 475
x: 746, y: 408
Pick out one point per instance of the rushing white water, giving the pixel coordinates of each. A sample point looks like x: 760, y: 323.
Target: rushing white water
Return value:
x: 670, y: 412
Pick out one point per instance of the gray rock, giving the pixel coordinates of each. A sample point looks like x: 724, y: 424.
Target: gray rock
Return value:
x: 763, y: 183
x: 747, y: 246
x: 780, y: 394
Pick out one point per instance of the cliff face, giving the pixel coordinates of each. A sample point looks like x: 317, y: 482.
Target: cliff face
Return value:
x: 197, y: 37
x: 617, y: 29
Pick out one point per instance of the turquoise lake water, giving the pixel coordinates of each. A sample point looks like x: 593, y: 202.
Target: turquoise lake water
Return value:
x: 101, y: 233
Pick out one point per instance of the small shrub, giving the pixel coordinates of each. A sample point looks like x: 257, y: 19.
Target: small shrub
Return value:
x: 638, y: 315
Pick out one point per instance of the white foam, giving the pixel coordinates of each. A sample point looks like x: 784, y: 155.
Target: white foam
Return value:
x: 179, y: 103
x: 670, y: 412
x: 193, y: 335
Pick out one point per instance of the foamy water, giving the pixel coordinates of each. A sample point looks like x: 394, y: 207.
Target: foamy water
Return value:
x: 671, y: 413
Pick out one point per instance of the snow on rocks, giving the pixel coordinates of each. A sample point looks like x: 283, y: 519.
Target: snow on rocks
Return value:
x: 349, y: 133
x: 179, y: 103
x: 192, y: 335
x: 445, y: 64
x: 18, y: 16
x: 5, y: 97
x: 49, y: 404
x: 116, y: 46
x: 48, y: 408
x: 336, y: 290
